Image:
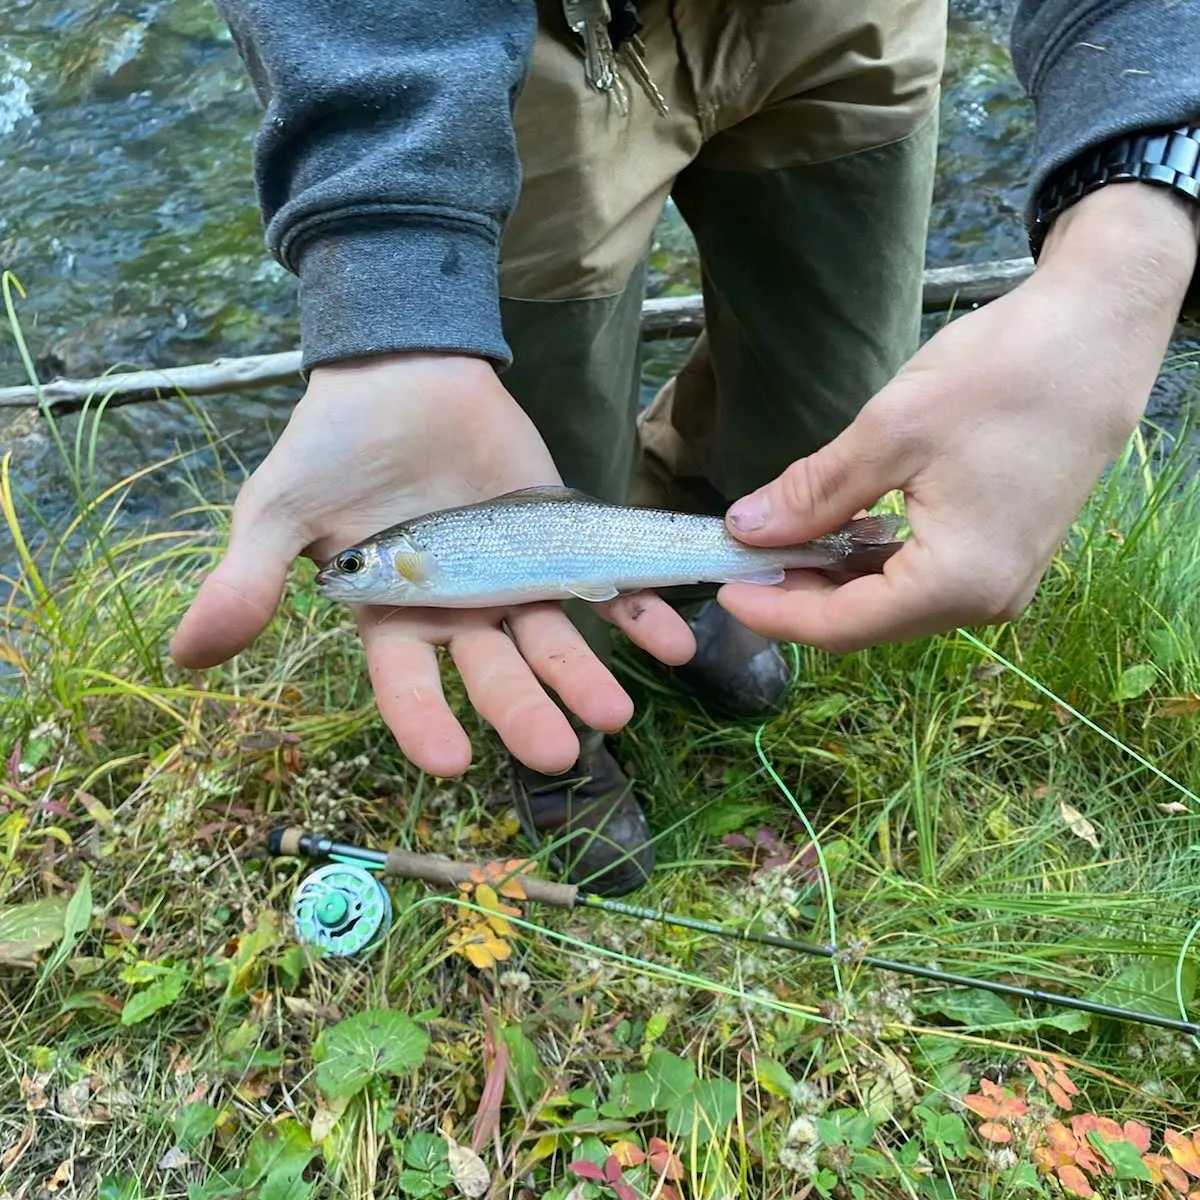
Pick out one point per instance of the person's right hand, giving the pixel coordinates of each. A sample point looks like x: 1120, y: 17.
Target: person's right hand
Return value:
x: 381, y: 440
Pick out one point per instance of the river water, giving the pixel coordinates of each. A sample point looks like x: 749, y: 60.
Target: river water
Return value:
x: 129, y: 217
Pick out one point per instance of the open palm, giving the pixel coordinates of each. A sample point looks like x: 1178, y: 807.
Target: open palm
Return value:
x: 380, y: 441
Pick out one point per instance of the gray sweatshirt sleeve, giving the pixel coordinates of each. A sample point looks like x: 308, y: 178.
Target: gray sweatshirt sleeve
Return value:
x: 1098, y: 69
x: 386, y: 164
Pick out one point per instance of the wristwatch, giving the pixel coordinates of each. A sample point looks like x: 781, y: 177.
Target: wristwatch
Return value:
x: 1165, y: 157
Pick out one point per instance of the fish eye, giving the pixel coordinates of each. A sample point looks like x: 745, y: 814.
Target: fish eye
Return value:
x: 350, y: 562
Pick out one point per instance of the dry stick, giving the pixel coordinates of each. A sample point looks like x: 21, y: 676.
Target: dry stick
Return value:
x: 665, y: 317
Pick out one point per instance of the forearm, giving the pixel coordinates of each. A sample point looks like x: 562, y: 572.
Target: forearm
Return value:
x: 1129, y: 240
x: 386, y: 165
x: 1098, y: 69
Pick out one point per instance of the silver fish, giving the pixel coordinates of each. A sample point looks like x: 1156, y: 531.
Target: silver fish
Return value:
x: 554, y: 543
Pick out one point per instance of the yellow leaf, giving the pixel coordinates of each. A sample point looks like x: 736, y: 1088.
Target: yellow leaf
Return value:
x: 1184, y: 1151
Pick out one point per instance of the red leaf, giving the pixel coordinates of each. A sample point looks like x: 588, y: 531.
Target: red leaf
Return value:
x: 487, y: 1115
x: 1074, y: 1180
x: 612, y: 1168
x: 587, y: 1170
x: 1138, y: 1134
x: 623, y: 1191
x: 628, y: 1153
x: 663, y: 1161
x: 994, y: 1131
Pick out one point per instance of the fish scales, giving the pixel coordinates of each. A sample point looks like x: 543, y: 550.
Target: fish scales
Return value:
x: 552, y: 543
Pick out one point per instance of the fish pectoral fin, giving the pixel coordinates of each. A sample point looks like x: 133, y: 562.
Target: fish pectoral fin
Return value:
x: 767, y: 577
x: 594, y: 593
x: 419, y: 568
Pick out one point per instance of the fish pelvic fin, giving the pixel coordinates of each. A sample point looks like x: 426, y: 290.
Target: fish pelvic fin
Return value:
x: 594, y: 593
x: 766, y: 576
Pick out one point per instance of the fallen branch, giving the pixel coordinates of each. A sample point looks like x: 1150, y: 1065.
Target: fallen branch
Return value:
x: 665, y: 317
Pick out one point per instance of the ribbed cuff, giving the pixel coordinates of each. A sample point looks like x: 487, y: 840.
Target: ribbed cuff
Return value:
x: 418, y: 286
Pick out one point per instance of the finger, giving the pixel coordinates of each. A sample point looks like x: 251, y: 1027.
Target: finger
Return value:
x: 235, y: 602
x: 653, y: 625
x: 408, y: 692
x: 561, y: 658
x: 915, y: 596
x: 506, y: 693
x: 820, y: 493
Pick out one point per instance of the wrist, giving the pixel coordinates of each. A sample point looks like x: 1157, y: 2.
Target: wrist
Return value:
x: 1130, y: 239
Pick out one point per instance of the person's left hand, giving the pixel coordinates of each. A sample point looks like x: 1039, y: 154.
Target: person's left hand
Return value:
x: 996, y: 431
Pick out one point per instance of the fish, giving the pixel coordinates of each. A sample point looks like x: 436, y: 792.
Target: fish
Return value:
x: 557, y: 543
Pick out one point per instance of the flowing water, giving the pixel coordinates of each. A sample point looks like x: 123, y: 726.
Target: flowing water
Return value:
x: 128, y: 215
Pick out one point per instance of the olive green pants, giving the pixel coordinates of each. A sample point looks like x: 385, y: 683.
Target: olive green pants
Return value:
x: 799, y: 148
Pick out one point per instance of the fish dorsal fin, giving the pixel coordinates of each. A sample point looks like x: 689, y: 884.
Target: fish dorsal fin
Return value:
x: 876, y: 530
x: 550, y: 491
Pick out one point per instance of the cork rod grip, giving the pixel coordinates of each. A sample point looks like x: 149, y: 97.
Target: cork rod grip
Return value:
x: 443, y: 871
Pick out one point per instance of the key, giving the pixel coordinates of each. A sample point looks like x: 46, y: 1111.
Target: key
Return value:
x: 633, y: 55
x: 588, y: 19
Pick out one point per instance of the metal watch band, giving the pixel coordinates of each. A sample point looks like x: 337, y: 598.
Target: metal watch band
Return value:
x: 1168, y: 158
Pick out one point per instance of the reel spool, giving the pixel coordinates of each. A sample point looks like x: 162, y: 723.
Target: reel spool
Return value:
x: 341, y: 908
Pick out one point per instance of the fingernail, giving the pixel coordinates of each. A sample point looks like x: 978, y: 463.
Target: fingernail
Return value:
x: 750, y: 513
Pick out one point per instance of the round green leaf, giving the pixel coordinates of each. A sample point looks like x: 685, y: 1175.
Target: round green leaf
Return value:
x: 354, y: 1051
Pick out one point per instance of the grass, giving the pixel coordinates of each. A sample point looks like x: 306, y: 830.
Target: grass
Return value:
x: 1015, y: 803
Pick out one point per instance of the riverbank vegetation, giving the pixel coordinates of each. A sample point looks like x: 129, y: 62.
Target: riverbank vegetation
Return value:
x: 1016, y: 803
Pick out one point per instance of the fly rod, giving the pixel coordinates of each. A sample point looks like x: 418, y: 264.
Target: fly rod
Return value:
x: 344, y: 912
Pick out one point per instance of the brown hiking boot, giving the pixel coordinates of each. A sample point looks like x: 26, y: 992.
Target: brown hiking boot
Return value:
x: 589, y: 816
x: 734, y: 668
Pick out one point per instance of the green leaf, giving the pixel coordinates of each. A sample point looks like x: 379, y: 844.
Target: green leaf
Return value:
x: 291, y: 964
x: 1135, y: 681
x: 526, y: 1065
x: 774, y: 1077
x: 1068, y: 1021
x: 1023, y: 1176
x: 119, y: 1187
x: 27, y: 928
x: 673, y: 1077
x: 1148, y: 985
x: 76, y: 919
x: 946, y: 1131
x: 583, y: 1097
x: 1164, y: 647
x: 630, y: 1096
x: 275, y: 1162
x: 1123, y: 1156
x: 970, y: 1006
x: 423, y: 1151
x: 378, y: 1042
x: 160, y: 994
x: 417, y: 1184
x: 193, y: 1123
x: 706, y: 1110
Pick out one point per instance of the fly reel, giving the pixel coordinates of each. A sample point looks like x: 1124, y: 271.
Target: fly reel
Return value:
x: 343, y: 909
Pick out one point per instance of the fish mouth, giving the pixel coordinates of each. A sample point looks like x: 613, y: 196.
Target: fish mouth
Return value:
x: 324, y: 577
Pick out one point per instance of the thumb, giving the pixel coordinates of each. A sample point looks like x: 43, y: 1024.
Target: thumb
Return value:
x: 237, y: 600
x: 815, y: 495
